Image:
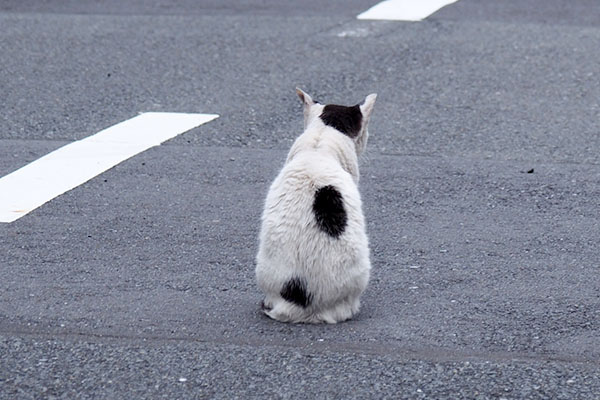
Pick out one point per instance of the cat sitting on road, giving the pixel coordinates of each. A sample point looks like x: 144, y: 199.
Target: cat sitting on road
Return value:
x: 313, y: 259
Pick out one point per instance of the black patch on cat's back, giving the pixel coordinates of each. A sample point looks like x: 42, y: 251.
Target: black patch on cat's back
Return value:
x: 295, y: 292
x: 330, y: 214
x: 347, y: 120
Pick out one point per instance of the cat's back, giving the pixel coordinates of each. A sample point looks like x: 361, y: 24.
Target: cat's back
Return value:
x: 311, y: 194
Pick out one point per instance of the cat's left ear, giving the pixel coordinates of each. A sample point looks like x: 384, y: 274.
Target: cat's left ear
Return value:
x: 308, y: 102
x: 306, y: 99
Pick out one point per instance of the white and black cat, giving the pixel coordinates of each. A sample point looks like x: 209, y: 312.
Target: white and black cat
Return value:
x: 313, y: 259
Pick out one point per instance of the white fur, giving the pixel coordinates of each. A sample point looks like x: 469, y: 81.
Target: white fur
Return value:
x: 335, y: 269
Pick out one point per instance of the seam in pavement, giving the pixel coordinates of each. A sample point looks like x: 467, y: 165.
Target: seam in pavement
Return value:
x: 428, y: 354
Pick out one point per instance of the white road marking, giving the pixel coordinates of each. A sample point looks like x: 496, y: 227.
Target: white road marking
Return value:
x: 404, y: 10
x: 50, y: 176
x: 358, y: 32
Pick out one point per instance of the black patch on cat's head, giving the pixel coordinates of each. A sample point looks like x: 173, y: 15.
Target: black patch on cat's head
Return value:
x: 330, y: 214
x: 295, y: 292
x: 347, y: 120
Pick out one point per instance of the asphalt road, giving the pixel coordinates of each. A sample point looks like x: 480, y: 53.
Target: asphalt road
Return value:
x: 480, y: 188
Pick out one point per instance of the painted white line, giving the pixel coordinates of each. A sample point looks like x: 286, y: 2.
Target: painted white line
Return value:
x: 68, y: 167
x: 404, y: 10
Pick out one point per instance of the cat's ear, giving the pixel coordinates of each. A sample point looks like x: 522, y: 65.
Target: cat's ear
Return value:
x: 305, y: 98
x: 366, y: 108
x: 308, y: 102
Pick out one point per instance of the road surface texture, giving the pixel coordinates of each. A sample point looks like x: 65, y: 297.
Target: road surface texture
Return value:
x: 480, y: 189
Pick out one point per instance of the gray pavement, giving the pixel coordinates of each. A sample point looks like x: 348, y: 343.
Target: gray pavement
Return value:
x: 480, y: 189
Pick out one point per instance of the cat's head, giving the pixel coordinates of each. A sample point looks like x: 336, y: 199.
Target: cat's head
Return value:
x: 352, y: 121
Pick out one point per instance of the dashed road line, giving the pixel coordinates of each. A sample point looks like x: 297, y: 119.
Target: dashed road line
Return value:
x: 25, y: 189
x: 404, y: 10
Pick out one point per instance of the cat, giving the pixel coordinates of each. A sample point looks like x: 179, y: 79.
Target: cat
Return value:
x: 313, y: 258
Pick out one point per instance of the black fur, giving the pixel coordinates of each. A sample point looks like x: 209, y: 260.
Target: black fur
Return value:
x: 329, y: 211
x: 295, y: 292
x: 347, y: 120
